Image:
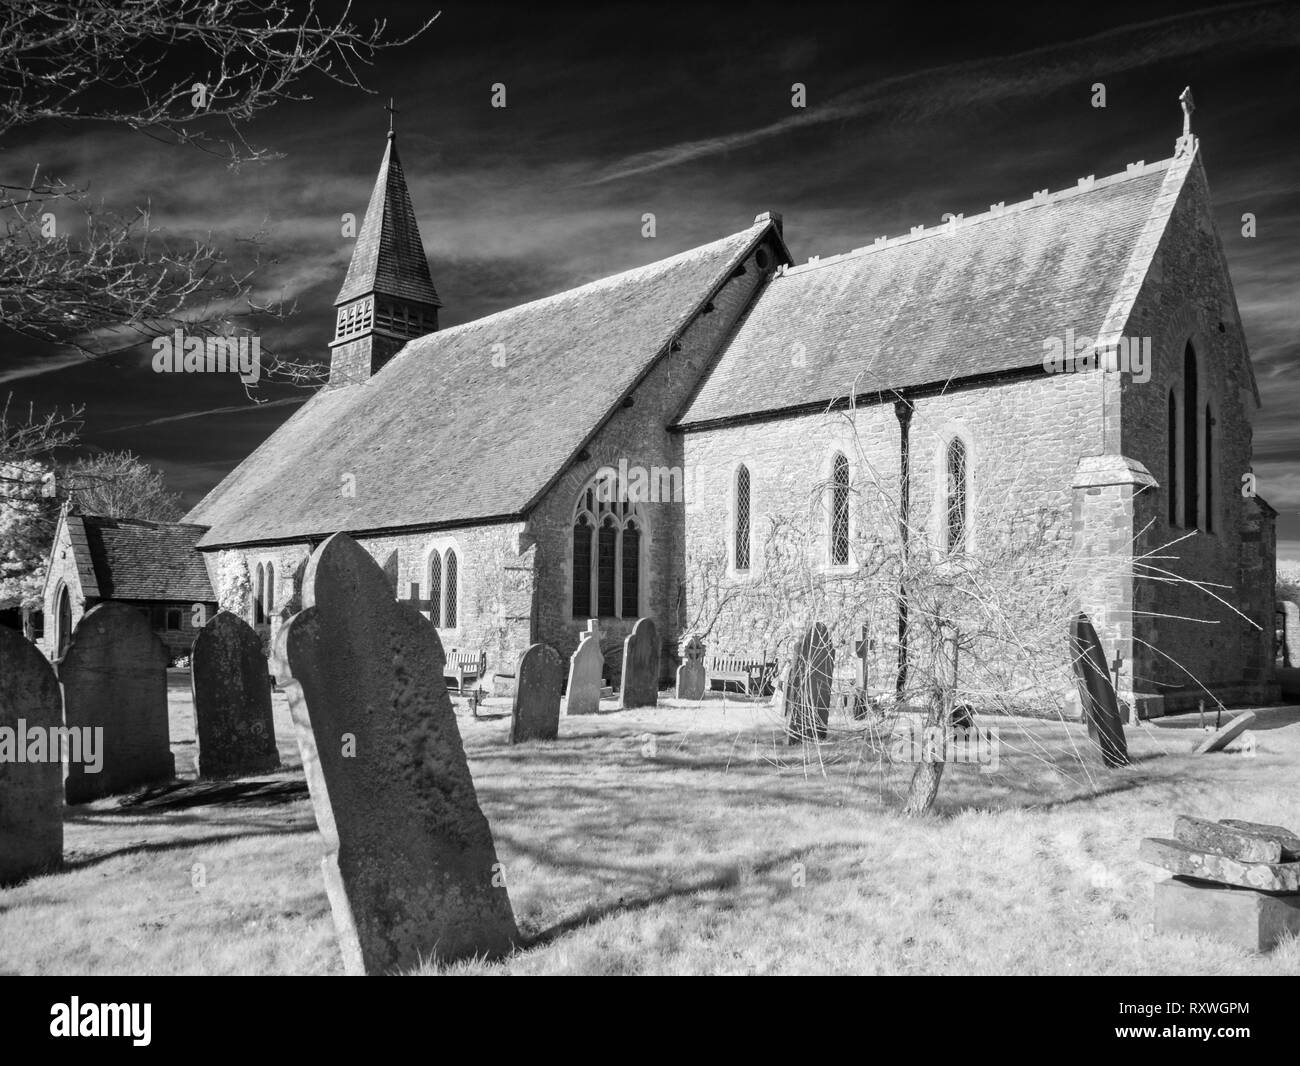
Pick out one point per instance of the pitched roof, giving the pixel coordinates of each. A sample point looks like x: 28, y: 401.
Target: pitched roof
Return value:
x: 137, y: 560
x: 389, y: 255
x: 472, y: 422
x: 974, y: 297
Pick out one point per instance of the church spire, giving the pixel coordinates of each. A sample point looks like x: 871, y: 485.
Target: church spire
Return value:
x: 388, y: 296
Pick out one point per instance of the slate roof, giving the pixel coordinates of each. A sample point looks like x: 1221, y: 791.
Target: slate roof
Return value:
x: 136, y: 560
x: 441, y: 435
x: 389, y: 256
x: 976, y: 298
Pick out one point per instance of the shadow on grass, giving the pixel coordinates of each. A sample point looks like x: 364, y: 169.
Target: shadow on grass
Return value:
x: 161, y: 847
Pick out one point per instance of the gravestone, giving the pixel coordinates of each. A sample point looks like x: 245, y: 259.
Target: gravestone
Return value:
x: 862, y: 649
x: 586, y: 673
x: 536, y: 713
x: 410, y: 867
x: 1242, y: 845
x: 691, y: 677
x: 1290, y: 633
x: 808, y: 687
x: 641, y: 665
x: 114, y: 678
x: 1221, y: 738
x: 232, y: 700
x: 1097, y: 693
x: 31, y: 774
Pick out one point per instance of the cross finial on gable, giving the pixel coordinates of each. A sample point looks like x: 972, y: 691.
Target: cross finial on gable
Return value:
x: 1189, y: 105
x: 392, y: 111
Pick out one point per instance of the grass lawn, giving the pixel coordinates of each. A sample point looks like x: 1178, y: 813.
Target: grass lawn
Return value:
x: 686, y: 839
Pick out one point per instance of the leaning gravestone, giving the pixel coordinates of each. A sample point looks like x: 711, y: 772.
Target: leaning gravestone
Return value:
x: 586, y: 674
x: 114, y: 678
x: 808, y: 686
x: 1221, y: 738
x: 232, y: 700
x: 1097, y: 693
x: 691, y: 678
x: 536, y: 713
x: 641, y: 665
x: 410, y: 866
x: 31, y: 789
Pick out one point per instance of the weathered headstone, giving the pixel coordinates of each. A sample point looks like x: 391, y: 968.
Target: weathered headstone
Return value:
x: 114, y: 677
x: 410, y: 866
x: 691, y: 677
x: 1097, y: 693
x: 31, y: 767
x: 536, y: 713
x: 232, y: 700
x: 1221, y: 738
x: 641, y: 665
x: 1207, y: 866
x: 1225, y: 840
x: 586, y: 671
x: 1290, y: 633
x: 1288, y: 841
x: 807, y: 701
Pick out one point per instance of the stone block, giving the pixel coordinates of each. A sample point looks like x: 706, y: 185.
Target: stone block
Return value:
x: 1253, y: 921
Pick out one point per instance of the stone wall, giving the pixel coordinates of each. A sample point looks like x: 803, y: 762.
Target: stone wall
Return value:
x: 1187, y: 296
x: 1023, y: 438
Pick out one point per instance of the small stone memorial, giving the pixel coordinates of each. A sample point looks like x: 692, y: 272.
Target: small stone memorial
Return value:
x: 807, y: 703
x: 31, y: 767
x: 410, y: 867
x: 641, y: 665
x: 1097, y: 693
x: 586, y: 672
x: 691, y: 676
x: 114, y: 678
x: 536, y: 713
x: 1222, y: 737
x: 232, y: 700
x: 1233, y: 880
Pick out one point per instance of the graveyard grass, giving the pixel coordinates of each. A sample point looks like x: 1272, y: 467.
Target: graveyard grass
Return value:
x: 712, y: 849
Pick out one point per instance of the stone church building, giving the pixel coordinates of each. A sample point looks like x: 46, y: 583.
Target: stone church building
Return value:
x: 724, y: 388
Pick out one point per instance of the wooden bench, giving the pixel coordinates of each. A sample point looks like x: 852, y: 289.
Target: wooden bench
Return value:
x: 755, y: 675
x: 463, y: 666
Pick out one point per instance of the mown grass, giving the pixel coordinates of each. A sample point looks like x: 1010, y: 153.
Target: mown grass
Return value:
x: 716, y: 849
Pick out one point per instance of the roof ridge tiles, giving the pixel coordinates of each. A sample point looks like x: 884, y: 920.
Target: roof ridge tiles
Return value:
x: 1039, y: 199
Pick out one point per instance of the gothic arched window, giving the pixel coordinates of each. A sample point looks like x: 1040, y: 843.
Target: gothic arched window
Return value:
x: 1172, y: 453
x: 434, y: 588
x: 608, y: 545
x: 450, y: 596
x: 958, y: 494
x: 62, y: 621
x: 839, y: 545
x: 1209, y: 470
x: 740, y: 557
x: 259, y: 596
x: 1191, y: 442
x: 270, y: 591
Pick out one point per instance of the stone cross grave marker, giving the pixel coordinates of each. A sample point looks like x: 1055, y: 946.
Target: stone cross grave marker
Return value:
x: 232, y: 700
x: 536, y: 712
x: 862, y: 649
x: 410, y: 867
x: 808, y: 686
x: 114, y: 677
x: 586, y: 673
x: 31, y: 772
x: 1096, y: 693
x: 641, y: 665
x: 691, y: 677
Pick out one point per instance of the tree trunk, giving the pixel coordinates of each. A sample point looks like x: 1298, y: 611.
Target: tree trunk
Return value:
x: 924, y: 788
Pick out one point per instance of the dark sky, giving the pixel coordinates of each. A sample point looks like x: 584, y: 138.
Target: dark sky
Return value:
x: 685, y: 111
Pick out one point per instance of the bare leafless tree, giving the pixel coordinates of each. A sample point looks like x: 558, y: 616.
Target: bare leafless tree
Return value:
x: 120, y: 280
